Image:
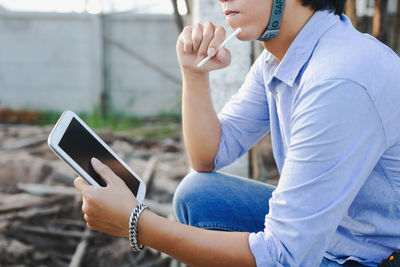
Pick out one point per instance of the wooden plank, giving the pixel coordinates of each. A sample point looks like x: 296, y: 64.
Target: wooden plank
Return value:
x: 53, y: 232
x: 80, y: 251
x: 22, y: 201
x: 396, y: 29
x: 148, y: 172
x: 380, y: 21
x: 350, y: 11
x: 31, y: 213
x: 47, y: 190
x: 23, y: 143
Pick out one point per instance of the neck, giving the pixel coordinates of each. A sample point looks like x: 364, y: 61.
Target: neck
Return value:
x: 295, y: 16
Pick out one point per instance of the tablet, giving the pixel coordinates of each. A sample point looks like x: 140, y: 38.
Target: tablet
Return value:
x: 75, y: 143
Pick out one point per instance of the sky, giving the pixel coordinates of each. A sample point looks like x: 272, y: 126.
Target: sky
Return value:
x: 93, y: 6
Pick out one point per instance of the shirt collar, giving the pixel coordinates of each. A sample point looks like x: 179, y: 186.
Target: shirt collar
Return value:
x: 302, y: 46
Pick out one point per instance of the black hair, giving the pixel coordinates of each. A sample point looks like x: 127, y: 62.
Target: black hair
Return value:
x: 335, y: 5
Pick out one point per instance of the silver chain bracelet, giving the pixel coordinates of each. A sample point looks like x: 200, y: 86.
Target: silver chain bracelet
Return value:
x: 133, y: 227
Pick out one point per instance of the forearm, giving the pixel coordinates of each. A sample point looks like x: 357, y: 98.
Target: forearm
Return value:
x: 201, y: 127
x: 194, y: 246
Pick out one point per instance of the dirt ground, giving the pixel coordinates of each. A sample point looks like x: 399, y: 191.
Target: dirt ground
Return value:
x: 41, y: 222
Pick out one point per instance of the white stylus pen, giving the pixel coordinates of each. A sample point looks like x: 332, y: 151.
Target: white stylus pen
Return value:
x: 204, y: 60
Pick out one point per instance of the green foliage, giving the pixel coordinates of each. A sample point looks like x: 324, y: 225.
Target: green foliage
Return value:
x: 157, y: 131
x: 48, y: 117
x: 117, y: 121
x: 113, y: 120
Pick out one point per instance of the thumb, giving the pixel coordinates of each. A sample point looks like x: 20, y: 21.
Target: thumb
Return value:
x: 104, y: 171
x: 224, y: 56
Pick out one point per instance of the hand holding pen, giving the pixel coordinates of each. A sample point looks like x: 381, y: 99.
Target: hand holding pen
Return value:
x: 201, y: 47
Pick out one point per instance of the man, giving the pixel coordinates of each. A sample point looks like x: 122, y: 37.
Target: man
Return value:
x: 329, y: 96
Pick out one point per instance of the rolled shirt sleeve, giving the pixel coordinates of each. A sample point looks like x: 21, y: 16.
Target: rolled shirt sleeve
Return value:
x: 244, y: 119
x: 336, y: 140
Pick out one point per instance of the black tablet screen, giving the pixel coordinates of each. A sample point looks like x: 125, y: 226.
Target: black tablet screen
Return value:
x: 81, y: 146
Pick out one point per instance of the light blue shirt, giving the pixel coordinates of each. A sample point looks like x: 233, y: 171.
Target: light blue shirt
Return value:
x: 332, y: 106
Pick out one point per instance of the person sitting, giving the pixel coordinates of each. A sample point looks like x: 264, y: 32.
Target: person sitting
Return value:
x: 329, y: 96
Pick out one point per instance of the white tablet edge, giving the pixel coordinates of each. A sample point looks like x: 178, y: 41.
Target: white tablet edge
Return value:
x: 58, y: 132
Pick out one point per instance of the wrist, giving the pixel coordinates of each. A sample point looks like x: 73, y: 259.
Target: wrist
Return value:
x: 195, y: 82
x: 144, y: 221
x: 136, y: 246
x: 191, y: 73
x: 126, y: 217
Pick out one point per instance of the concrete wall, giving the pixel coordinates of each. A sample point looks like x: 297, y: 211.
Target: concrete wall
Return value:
x: 366, y: 7
x: 135, y: 86
x: 51, y: 61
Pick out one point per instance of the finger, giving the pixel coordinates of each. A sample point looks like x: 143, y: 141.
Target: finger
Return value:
x: 219, y: 36
x: 187, y: 40
x: 85, y: 207
x: 223, y: 56
x: 197, y: 36
x: 91, y: 227
x: 94, y: 221
x: 104, y: 171
x: 86, y: 218
x: 179, y: 43
x: 208, y: 34
x: 81, y: 185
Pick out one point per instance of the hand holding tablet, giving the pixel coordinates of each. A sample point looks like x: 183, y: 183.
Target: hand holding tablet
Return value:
x: 75, y: 143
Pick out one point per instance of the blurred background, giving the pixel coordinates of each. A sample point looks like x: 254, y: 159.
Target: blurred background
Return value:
x: 88, y: 55
x: 116, y: 56
x: 114, y: 63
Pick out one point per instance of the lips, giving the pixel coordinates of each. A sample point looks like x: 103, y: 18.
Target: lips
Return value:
x: 230, y: 12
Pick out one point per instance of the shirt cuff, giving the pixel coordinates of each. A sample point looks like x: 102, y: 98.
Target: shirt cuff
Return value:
x: 265, y: 249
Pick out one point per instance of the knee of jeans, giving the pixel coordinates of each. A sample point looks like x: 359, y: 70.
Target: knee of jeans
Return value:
x: 186, y: 193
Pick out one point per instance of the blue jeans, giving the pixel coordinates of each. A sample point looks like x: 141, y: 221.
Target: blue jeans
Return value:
x: 222, y: 202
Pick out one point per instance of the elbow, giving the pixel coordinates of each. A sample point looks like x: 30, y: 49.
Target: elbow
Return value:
x: 202, y: 166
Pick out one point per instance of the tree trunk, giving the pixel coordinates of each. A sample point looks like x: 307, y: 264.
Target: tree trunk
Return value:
x: 396, y: 29
x: 380, y: 21
x: 177, y: 16
x: 350, y: 11
x: 189, y: 6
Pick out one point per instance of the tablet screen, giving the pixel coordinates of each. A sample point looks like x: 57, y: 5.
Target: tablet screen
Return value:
x: 81, y: 146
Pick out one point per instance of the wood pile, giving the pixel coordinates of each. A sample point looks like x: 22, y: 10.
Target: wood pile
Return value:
x: 41, y: 222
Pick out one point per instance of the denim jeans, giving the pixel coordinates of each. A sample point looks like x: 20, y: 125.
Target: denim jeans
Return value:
x: 223, y: 202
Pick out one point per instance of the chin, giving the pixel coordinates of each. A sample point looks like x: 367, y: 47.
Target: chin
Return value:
x: 243, y: 36
x: 245, y: 39
x: 247, y: 33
